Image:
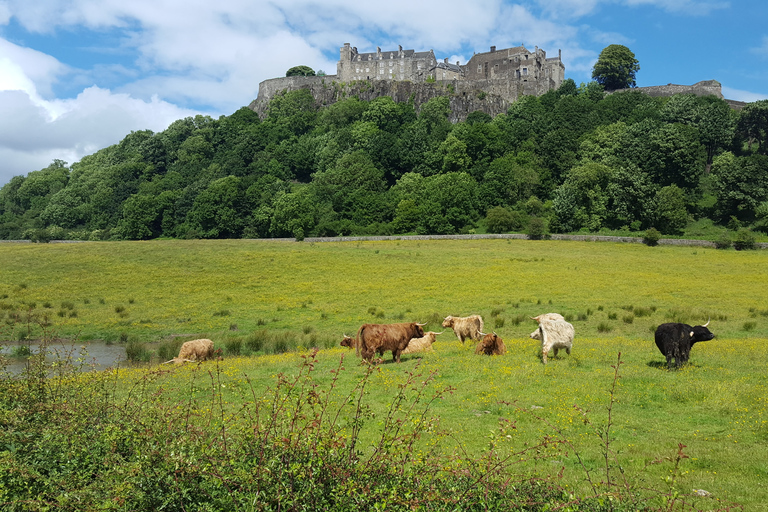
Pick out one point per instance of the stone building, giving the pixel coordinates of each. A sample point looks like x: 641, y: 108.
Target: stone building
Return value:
x: 516, y: 64
x: 390, y: 65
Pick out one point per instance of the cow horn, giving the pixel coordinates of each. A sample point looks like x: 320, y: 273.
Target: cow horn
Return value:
x: 421, y: 325
x: 494, y: 333
x: 441, y: 332
x: 482, y: 333
x: 706, y: 324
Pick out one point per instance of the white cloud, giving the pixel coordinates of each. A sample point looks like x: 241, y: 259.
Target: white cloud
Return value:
x: 762, y: 50
x: 40, y: 131
x: 735, y: 94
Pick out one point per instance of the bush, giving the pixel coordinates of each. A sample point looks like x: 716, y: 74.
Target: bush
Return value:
x: 537, y: 228
x: 744, y: 240
x: 651, y: 237
x: 500, y: 220
x: 723, y: 241
x: 136, y: 352
x: 233, y: 346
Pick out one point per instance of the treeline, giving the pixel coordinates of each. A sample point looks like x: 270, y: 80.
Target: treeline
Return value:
x: 574, y: 159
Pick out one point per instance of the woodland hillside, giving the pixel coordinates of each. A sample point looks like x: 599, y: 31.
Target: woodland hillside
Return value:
x: 572, y: 160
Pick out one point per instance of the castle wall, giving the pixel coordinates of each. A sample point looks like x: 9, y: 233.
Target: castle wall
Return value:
x: 703, y: 88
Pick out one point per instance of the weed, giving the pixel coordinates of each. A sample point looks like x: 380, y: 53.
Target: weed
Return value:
x: 498, y: 322
x: 604, y: 327
x: 119, y: 309
x: 223, y: 312
x: 232, y: 327
x: 68, y: 305
x: 261, y: 321
x: 86, y: 301
x: 233, y: 346
x: 307, y: 329
x: 612, y: 316
x: 628, y: 319
x: 131, y: 300
x: 136, y: 352
x: 749, y: 326
x: 496, y: 312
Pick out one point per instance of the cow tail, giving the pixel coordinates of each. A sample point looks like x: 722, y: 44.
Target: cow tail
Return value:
x: 359, y: 340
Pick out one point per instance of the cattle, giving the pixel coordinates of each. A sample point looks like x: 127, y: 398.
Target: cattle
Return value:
x: 554, y: 334
x: 548, y: 316
x: 675, y: 340
x: 379, y: 338
x: 421, y: 344
x: 195, y: 350
x: 350, y: 342
x: 491, y: 345
x: 465, y: 327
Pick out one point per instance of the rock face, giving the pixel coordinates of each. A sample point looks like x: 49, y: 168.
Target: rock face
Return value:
x: 489, y: 96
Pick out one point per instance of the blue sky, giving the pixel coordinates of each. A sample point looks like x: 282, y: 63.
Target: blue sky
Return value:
x: 79, y: 75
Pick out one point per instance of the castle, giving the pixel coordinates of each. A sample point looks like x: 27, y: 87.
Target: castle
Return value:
x: 490, y: 82
x: 513, y: 65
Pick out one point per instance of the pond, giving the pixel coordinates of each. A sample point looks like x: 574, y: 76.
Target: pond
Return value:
x: 88, y: 356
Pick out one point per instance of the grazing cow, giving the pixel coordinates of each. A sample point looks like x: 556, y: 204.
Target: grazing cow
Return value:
x: 379, y: 338
x: 491, y: 345
x: 675, y: 340
x: 465, y: 327
x: 350, y: 342
x: 195, y: 350
x: 554, y: 334
x: 421, y: 344
x: 548, y: 316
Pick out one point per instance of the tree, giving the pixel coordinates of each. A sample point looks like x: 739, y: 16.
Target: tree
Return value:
x: 300, y: 71
x: 616, y: 68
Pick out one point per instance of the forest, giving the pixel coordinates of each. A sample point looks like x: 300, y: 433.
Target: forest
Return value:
x: 573, y: 160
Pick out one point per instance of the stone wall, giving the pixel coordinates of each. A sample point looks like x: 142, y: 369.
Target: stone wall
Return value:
x: 703, y: 88
x: 489, y: 96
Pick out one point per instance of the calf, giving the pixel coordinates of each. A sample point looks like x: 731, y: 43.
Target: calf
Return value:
x: 465, y: 327
x: 554, y: 334
x: 675, y: 340
x: 491, y: 345
x: 421, y: 344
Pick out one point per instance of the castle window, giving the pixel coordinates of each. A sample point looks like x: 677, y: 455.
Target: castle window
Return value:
x: 525, y: 71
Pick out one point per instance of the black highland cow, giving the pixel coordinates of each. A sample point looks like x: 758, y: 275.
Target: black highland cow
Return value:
x: 675, y: 341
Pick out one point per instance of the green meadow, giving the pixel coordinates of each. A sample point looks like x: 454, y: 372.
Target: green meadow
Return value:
x: 608, y: 417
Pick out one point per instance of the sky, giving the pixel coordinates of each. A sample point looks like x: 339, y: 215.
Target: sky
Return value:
x: 79, y: 75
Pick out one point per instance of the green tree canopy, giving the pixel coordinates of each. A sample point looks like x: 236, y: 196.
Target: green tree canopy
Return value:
x: 616, y: 68
x: 300, y: 71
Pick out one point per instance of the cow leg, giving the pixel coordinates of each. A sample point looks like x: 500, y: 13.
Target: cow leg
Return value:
x: 556, y: 349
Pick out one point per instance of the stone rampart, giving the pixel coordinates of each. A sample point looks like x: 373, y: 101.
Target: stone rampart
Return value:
x: 703, y: 88
x: 489, y: 96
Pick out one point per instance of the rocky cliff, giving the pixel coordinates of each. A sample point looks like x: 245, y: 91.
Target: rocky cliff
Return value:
x: 465, y: 97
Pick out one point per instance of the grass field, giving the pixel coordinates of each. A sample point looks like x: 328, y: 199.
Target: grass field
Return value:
x: 614, y: 294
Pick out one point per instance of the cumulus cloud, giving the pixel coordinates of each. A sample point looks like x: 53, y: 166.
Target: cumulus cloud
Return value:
x: 35, y: 132
x: 735, y: 94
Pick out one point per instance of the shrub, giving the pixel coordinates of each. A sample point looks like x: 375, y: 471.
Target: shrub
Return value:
x: 629, y: 319
x: 749, y: 326
x: 233, y: 346
x: 723, y: 241
x: 744, y: 240
x: 498, y: 322
x: 651, y: 237
x: 255, y: 341
x: 500, y: 220
x: 136, y: 352
x: 537, y: 228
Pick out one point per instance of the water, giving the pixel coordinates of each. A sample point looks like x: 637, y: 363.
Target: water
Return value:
x: 94, y: 355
